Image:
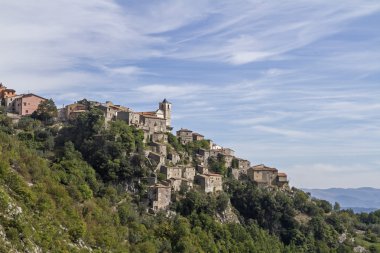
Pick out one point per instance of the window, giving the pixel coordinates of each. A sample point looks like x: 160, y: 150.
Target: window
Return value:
x: 24, y: 104
x: 26, y: 111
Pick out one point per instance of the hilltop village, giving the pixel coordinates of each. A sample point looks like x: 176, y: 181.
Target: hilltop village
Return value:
x: 174, y: 171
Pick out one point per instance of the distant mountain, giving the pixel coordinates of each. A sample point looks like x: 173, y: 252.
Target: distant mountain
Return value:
x: 363, y: 199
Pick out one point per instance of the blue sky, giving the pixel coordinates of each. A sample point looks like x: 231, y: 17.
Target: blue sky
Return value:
x: 292, y: 84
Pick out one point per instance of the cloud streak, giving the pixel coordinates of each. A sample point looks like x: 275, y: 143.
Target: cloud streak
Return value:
x: 284, y: 83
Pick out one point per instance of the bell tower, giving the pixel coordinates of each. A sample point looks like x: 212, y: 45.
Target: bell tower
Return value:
x: 166, y: 107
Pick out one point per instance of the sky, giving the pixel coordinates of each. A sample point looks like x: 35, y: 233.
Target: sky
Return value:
x: 291, y: 84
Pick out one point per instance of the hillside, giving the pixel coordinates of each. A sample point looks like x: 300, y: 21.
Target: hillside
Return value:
x: 81, y: 186
x: 356, y: 198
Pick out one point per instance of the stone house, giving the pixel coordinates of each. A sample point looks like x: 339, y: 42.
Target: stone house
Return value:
x: 152, y: 122
x: 228, y: 160
x: 198, y: 137
x: 242, y: 168
x: 202, y: 169
x: 23, y: 105
x: 159, y: 148
x: 185, y: 136
x: 210, y: 182
x: 235, y: 173
x: 160, y: 137
x: 238, y: 173
x: 159, y: 197
x: 228, y: 151
x: 263, y: 175
x: 171, y: 172
x: 188, y: 173
x: 178, y: 183
x: 159, y: 159
x: 27, y: 104
x: 10, y: 103
x: 203, y: 152
x: 282, y: 179
x: 132, y: 118
x: 73, y: 110
x: 174, y: 158
x: 5, y: 93
x: 243, y: 164
x: 2, y: 88
x: 109, y: 110
x: 202, y: 156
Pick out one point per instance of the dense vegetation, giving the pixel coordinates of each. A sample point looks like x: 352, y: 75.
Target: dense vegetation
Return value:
x: 75, y: 188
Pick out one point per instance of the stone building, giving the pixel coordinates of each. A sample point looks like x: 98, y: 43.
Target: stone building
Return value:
x: 159, y: 197
x: 228, y: 160
x: 110, y: 111
x: 140, y: 119
x: 185, y: 136
x: 161, y: 137
x: 73, y: 110
x: 150, y: 122
x: 241, y: 168
x: 178, y: 183
x: 2, y: 88
x: 202, y: 156
x: 5, y: 93
x: 166, y: 107
x: 23, y: 105
x: 132, y: 118
x: 198, y: 137
x: 188, y: 173
x: 263, y: 175
x: 26, y: 104
x: 282, y: 179
x: 159, y: 148
x: 243, y: 164
x: 210, y: 182
x: 171, y: 172
x: 159, y: 159
x: 174, y: 158
x: 10, y: 103
x: 202, y: 169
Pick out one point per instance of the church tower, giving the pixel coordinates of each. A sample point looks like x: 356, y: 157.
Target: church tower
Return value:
x: 166, y: 107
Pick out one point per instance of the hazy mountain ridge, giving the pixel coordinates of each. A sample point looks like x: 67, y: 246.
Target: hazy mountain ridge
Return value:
x: 359, y: 199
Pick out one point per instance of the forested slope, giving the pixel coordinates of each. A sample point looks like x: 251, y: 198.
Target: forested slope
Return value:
x: 76, y: 188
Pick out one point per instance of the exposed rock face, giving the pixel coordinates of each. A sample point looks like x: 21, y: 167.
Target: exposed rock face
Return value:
x: 227, y: 216
x: 360, y: 249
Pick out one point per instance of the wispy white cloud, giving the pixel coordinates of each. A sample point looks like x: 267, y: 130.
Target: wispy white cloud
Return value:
x: 284, y: 83
x: 281, y: 131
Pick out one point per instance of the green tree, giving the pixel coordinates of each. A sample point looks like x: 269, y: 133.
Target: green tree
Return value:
x: 336, y: 206
x: 46, y: 111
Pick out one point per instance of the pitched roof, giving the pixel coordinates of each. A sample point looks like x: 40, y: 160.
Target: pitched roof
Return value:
x: 262, y: 167
x: 213, y: 175
x: 166, y: 101
x: 184, y: 130
x: 197, y: 134
x: 32, y: 95
x: 152, y: 117
x: 281, y: 174
x: 159, y: 186
x: 147, y: 113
